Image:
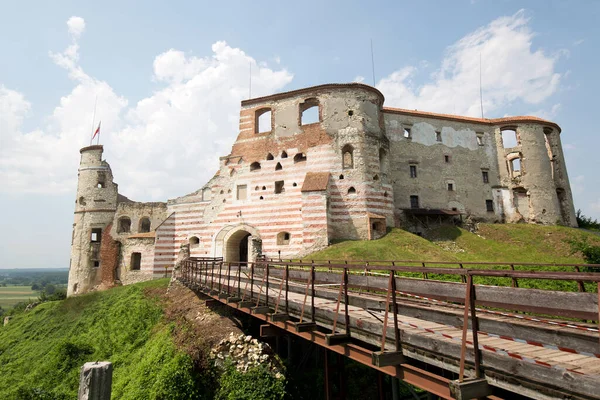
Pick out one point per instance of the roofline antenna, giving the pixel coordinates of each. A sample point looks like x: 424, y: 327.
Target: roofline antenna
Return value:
x: 94, y: 119
x: 372, y: 63
x: 480, y: 87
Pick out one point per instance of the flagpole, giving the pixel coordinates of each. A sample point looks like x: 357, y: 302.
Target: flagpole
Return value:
x: 94, y: 119
x: 99, y: 132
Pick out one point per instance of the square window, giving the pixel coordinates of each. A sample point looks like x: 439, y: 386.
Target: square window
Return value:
x: 279, y: 187
x: 489, y: 205
x: 450, y: 187
x: 414, y: 201
x: 96, y: 234
x: 413, y: 171
x: 485, y: 176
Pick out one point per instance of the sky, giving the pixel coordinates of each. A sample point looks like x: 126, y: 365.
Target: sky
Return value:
x: 168, y: 78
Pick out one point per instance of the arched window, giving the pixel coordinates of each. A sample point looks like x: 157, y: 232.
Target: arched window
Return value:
x: 263, y: 121
x: 300, y: 157
x: 509, y: 137
x: 255, y: 166
x: 270, y: 156
x: 347, y: 157
x: 351, y: 190
x: 144, y: 225
x: 376, y: 177
x: 341, y: 176
x: 194, y: 241
x: 283, y: 154
x: 309, y: 112
x: 283, y: 238
x: 124, y: 225
x: 278, y: 167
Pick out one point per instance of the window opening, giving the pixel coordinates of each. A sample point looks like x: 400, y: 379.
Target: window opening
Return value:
x: 300, y: 157
x: 194, y: 241
x: 144, y: 225
x: 264, y: 188
x: 438, y: 136
x: 413, y: 171
x: 283, y: 154
x: 310, y: 113
x: 376, y: 178
x: 255, y: 166
x: 96, y: 235
x: 509, y: 138
x: 351, y: 190
x: 447, y: 158
x: 479, y: 137
x: 347, y: 157
x: 283, y: 238
x: 407, y: 133
x: 485, y: 176
x: 414, y: 201
x: 516, y: 164
x: 489, y: 205
x: 294, y: 184
x: 278, y: 167
x: 206, y: 194
x: 279, y: 187
x: 270, y: 156
x: 341, y: 176
x: 261, y: 198
x: 124, y: 225
x: 101, y: 180
x: 264, y: 120
x: 242, y: 192
x: 450, y: 187
x: 136, y: 261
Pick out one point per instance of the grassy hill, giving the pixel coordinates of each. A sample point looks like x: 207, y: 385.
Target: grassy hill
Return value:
x: 493, y: 242
x: 42, y: 350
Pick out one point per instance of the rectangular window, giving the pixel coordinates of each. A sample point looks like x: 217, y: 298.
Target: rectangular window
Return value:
x: 414, y: 201
x: 438, y: 136
x: 451, y: 187
x: 447, y: 158
x: 413, y: 171
x: 136, y: 261
x: 489, y: 205
x: 480, y: 139
x: 242, y: 191
x: 485, y: 176
x: 407, y: 133
x: 279, y: 187
x: 96, y: 235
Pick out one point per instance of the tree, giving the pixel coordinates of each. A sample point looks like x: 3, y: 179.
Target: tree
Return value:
x: 35, y: 287
x: 50, y: 289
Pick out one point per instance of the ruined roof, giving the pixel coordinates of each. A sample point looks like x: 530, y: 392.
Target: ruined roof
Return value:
x: 144, y: 235
x: 312, y: 89
x: 315, y: 181
x: 459, y: 118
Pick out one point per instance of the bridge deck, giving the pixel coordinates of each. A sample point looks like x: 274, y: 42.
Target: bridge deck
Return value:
x: 565, y: 363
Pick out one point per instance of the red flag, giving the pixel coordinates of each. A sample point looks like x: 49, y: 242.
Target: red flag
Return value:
x: 97, y: 130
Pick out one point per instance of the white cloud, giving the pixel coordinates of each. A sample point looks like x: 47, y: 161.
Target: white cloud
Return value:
x: 165, y: 145
x: 578, y: 42
x: 359, y: 79
x: 511, y: 71
x: 547, y: 114
x: 76, y: 26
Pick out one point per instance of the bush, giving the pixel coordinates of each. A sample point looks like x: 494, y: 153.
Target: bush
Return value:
x: 255, y: 384
x: 590, y: 252
x: 586, y: 222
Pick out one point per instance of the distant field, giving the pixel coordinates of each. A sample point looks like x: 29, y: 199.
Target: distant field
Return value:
x: 13, y: 294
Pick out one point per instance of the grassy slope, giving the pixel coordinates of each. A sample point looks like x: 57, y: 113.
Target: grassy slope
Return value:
x: 41, y: 351
x: 493, y: 243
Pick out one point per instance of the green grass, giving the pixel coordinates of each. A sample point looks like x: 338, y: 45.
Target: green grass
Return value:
x: 42, y: 350
x: 512, y: 243
x: 10, y: 295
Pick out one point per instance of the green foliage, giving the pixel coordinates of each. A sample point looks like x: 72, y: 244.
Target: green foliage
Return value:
x: 42, y: 350
x: 587, y: 222
x: 255, y: 384
x: 590, y: 252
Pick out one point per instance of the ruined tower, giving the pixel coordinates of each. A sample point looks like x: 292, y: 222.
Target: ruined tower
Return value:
x: 95, y: 206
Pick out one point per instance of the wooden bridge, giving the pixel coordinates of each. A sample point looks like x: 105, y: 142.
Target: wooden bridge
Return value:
x: 422, y: 321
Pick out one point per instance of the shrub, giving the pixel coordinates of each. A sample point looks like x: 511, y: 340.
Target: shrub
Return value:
x: 586, y: 222
x: 590, y: 252
x: 257, y: 383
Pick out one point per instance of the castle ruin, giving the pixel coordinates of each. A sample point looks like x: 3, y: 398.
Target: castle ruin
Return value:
x: 317, y: 164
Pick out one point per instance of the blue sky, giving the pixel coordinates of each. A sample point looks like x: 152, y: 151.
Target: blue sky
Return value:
x: 169, y: 77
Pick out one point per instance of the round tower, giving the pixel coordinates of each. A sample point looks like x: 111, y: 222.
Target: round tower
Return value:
x: 95, y: 206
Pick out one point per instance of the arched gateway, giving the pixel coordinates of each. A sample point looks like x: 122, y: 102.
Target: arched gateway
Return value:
x: 238, y: 243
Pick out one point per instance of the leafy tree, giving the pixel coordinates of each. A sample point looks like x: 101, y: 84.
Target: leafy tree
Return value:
x: 35, y: 287
x: 586, y: 222
x: 590, y: 252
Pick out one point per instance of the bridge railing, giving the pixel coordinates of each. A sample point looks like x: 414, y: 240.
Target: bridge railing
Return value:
x: 252, y: 283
